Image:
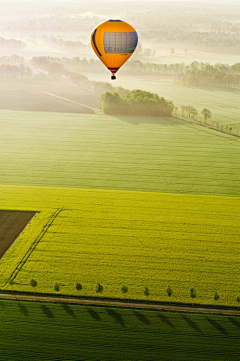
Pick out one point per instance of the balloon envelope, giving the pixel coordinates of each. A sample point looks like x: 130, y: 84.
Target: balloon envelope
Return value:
x: 114, y: 41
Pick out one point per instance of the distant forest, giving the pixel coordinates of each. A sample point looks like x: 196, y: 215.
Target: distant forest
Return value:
x: 208, y: 24
x: 195, y: 74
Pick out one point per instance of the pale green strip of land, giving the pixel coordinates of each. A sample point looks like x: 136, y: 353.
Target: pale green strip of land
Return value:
x: 154, y: 154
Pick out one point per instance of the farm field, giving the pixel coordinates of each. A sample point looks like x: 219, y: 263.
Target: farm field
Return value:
x: 223, y: 103
x: 11, y: 225
x: 131, y: 239
x: 70, y: 332
x: 165, y: 155
x: 43, y: 96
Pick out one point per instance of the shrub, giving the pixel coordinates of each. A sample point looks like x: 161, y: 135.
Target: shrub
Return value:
x: 78, y: 286
x: 193, y: 293
x: 146, y: 291
x: 99, y: 288
x: 169, y: 291
x: 57, y: 287
x: 124, y: 289
x: 216, y: 296
x: 33, y: 283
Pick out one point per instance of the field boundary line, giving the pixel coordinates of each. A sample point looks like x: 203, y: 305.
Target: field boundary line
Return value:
x: 117, y: 303
x: 96, y: 110
x: 209, y: 126
x: 33, y: 246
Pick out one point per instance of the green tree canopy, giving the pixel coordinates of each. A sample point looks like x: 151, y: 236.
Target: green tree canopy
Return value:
x: 135, y: 102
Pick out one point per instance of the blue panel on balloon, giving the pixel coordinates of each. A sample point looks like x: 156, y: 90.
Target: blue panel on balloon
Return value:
x: 117, y: 43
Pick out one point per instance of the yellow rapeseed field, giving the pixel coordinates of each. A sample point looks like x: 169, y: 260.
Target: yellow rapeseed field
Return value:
x: 120, y: 238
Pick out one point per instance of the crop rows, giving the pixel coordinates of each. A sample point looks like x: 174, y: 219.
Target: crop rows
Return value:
x: 125, y: 153
x: 130, y: 239
x: 71, y: 332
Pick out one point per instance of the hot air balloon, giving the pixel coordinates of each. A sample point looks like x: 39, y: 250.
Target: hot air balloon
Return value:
x: 114, y: 41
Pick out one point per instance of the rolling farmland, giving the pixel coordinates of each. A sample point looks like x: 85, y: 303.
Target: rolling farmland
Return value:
x: 111, y: 333
x: 119, y: 235
x: 103, y: 189
x: 70, y: 332
x: 122, y: 153
x: 109, y: 236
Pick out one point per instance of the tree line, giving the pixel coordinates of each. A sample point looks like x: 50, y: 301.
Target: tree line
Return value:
x: 194, y: 74
x: 135, y: 102
x: 69, y: 45
x: 124, y: 289
x: 12, y: 44
x: 15, y: 71
x: 192, y: 37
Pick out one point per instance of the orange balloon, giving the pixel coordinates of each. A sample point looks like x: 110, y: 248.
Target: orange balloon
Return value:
x: 114, y: 41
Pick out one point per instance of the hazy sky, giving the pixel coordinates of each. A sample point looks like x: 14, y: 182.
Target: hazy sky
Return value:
x: 82, y: 1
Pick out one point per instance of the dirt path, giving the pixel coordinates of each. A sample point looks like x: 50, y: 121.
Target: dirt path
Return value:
x: 109, y: 303
x: 213, y: 127
x: 96, y: 110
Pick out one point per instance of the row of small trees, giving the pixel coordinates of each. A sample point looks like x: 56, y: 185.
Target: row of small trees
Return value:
x: 192, y: 112
x: 124, y: 290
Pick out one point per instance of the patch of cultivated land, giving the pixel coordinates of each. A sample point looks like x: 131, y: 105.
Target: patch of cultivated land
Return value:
x: 125, y: 153
x: 34, y: 96
x: 12, y: 224
x: 131, y: 239
x: 48, y: 331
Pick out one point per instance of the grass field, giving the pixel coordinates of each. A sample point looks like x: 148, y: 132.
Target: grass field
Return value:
x: 54, y: 332
x: 128, y: 153
x: 125, y: 238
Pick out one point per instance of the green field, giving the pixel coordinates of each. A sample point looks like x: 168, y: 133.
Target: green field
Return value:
x: 104, y: 189
x: 118, y: 238
x: 122, y: 153
x: 53, y: 332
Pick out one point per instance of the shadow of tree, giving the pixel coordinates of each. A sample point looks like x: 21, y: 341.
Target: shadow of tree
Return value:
x: 165, y: 320
x: 136, y: 120
x: 234, y: 322
x: 23, y: 309
x: 47, y: 311
x: 192, y: 324
x: 118, y: 318
x: 216, y: 325
x: 142, y: 317
x: 68, y: 309
x: 93, y: 314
